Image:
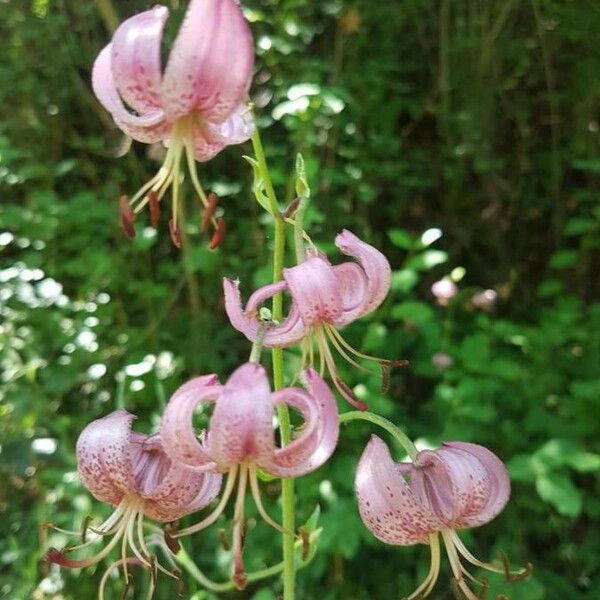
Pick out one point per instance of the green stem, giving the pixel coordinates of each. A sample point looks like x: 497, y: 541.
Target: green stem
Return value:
x: 396, y: 432
x: 287, y: 485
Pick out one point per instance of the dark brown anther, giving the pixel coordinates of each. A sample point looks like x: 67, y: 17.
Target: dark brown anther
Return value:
x: 128, y: 584
x: 153, y: 569
x: 154, y: 207
x: 240, y: 580
x: 305, y: 536
x: 402, y: 362
x: 512, y: 577
x: 179, y: 582
x: 456, y: 591
x: 385, y: 378
x: 484, y: 589
x: 290, y: 211
x: 127, y: 217
x: 223, y: 539
x: 175, y: 233
x: 172, y: 544
x: 209, y: 211
x: 218, y: 235
x: 84, y: 528
x: 349, y: 395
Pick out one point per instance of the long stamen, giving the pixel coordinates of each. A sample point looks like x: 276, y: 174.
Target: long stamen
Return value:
x: 210, y: 519
x: 259, y: 505
x: 144, y: 557
x: 457, y: 568
x: 59, y: 558
x: 156, y: 181
x: 341, y: 387
x: 239, y: 576
x: 427, y: 584
x: 155, y: 564
x: 111, y: 568
x: 189, y: 153
x: 334, y: 340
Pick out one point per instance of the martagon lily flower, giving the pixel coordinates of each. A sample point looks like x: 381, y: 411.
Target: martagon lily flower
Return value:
x: 196, y: 108
x: 457, y: 486
x: 132, y: 472
x: 241, y: 439
x: 324, y: 298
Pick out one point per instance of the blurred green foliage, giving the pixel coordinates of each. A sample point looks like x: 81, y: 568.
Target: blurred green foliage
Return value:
x: 477, y: 118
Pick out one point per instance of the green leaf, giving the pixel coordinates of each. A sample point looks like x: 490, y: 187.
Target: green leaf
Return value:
x: 584, y: 462
x: 415, y: 312
x: 404, y: 280
x: 521, y: 469
x: 564, y: 259
x: 580, y: 226
x: 258, y: 185
x: 302, y: 187
x: 558, y: 490
x: 427, y: 260
x: 401, y: 238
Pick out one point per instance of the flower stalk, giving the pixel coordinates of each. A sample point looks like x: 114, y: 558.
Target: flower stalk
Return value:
x: 287, y: 484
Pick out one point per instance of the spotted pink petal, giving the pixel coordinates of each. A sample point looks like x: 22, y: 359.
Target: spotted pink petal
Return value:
x: 169, y: 491
x: 115, y: 463
x: 177, y: 430
x: 210, y: 65
x: 377, y: 274
x: 135, y: 59
x: 103, y: 457
x: 315, y: 290
x: 149, y: 127
x: 237, y: 128
x: 287, y: 333
x: 498, y: 491
x: 387, y: 505
x: 321, y: 430
x: 241, y: 427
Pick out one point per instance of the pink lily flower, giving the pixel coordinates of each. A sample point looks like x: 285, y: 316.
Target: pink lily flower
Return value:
x: 456, y: 486
x: 196, y: 108
x: 241, y: 439
x: 324, y: 298
x: 132, y: 472
x: 444, y: 290
x: 485, y: 300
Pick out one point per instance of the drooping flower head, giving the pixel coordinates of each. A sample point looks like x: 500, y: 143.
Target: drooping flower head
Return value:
x: 132, y: 472
x: 324, y: 298
x: 484, y: 300
x: 444, y: 290
x: 457, y: 486
x: 196, y: 107
x: 240, y: 438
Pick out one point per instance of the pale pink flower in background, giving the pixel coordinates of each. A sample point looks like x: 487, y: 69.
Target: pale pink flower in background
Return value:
x: 132, y: 472
x: 444, y: 290
x: 195, y: 108
x: 241, y: 439
x: 441, y: 361
x: 325, y: 297
x: 457, y: 486
x: 485, y: 300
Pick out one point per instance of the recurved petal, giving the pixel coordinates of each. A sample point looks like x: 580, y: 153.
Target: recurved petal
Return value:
x: 290, y: 331
x: 387, y: 505
x: 177, y: 429
x: 204, y: 145
x: 241, y: 427
x: 237, y: 128
x: 135, y: 59
x: 498, y: 491
x: 149, y: 126
x: 315, y: 290
x: 353, y: 288
x: 375, y: 265
x: 103, y: 457
x: 178, y: 490
x: 450, y: 482
x: 321, y: 431
x: 210, y: 65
